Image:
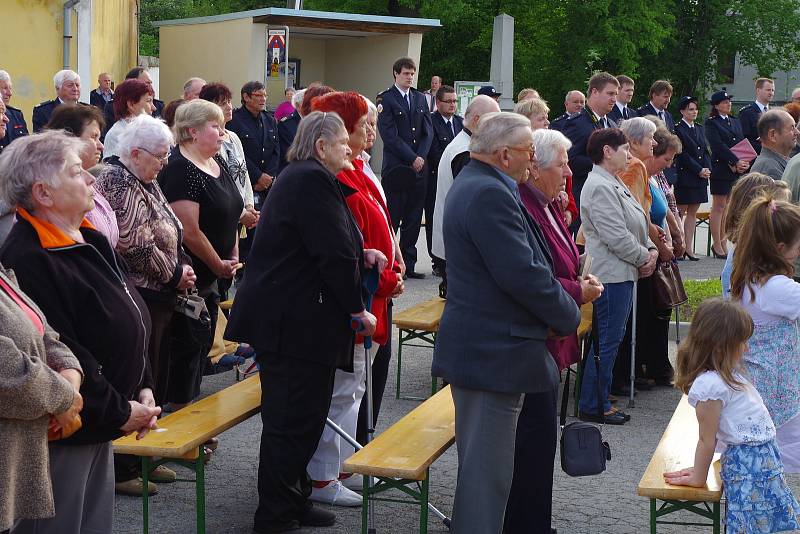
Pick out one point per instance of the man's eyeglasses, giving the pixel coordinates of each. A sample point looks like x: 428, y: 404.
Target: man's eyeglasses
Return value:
x: 531, y: 150
x: 162, y: 159
x: 448, y: 101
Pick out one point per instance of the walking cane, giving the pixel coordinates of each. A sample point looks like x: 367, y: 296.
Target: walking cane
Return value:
x: 633, y: 344
x: 371, y: 285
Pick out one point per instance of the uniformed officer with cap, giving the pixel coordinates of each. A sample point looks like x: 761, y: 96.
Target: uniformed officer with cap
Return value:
x: 16, y: 127
x: 404, y: 123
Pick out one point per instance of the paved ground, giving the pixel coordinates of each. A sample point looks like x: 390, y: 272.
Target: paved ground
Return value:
x: 605, y: 504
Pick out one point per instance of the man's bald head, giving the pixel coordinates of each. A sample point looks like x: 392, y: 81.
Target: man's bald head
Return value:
x: 480, y: 105
x: 574, y: 102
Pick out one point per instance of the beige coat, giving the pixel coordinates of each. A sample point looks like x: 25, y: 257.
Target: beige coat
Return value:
x: 615, y: 227
x: 30, y: 390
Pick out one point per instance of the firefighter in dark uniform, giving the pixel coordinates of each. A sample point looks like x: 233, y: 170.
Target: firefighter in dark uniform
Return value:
x: 404, y: 123
x: 16, y: 127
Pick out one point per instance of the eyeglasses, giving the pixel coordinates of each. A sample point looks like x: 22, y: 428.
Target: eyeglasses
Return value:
x: 531, y: 150
x: 162, y: 159
x: 448, y: 101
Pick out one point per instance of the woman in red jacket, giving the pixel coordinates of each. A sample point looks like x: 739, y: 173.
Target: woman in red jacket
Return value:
x: 372, y: 217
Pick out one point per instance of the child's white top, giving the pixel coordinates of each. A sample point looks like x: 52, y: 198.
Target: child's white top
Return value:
x: 744, y: 418
x: 777, y: 299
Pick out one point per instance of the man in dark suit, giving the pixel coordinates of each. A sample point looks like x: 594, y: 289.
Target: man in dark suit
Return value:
x: 602, y: 91
x: 136, y: 73
x: 573, y: 104
x: 287, y: 127
x: 404, y: 123
x: 16, y: 126
x: 68, y: 89
x: 103, y: 94
x: 621, y: 112
x: 446, y: 125
x: 503, y: 302
x: 660, y: 95
x: 749, y: 115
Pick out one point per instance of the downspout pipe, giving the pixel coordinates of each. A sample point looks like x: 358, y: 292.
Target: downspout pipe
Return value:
x: 68, y: 5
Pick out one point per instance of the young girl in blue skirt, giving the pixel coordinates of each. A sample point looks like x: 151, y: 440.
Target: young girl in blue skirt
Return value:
x: 730, y: 413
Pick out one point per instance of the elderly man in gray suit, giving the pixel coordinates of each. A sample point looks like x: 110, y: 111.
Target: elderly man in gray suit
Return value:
x: 502, y: 304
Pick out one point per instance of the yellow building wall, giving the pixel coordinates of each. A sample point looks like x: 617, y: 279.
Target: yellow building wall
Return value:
x: 112, y: 52
x: 31, y: 45
x: 216, y: 51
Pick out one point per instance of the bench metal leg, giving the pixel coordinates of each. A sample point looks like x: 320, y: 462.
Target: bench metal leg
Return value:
x: 418, y: 490
x: 653, y: 522
x: 145, y: 495
x: 700, y: 508
x: 423, y: 504
x: 405, y: 337
x: 400, y: 341
x: 200, y: 488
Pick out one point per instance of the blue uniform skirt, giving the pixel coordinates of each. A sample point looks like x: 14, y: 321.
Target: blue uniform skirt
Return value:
x: 758, y: 499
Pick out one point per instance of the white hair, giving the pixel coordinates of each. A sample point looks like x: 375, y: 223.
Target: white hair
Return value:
x: 144, y: 132
x: 637, y: 128
x: 297, y: 98
x: 496, y: 130
x: 64, y: 76
x: 4, y: 76
x: 548, y: 144
x: 372, y: 110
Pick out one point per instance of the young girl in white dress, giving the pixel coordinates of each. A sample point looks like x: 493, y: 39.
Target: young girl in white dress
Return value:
x: 766, y: 250
x: 730, y: 411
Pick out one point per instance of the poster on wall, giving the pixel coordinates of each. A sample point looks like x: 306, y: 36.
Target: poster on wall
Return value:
x: 465, y: 92
x: 276, y: 52
x: 291, y: 70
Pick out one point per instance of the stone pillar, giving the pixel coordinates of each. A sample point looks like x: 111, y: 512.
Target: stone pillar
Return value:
x: 502, y: 69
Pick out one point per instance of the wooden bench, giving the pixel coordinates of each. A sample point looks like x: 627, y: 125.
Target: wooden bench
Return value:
x: 676, y: 451
x: 704, y: 220
x: 401, y: 456
x: 420, y: 322
x: 180, y: 437
x: 584, y: 329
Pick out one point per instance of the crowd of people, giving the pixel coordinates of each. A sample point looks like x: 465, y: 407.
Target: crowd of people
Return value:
x: 118, y: 214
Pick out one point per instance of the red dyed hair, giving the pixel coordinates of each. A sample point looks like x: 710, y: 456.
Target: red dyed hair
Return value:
x: 314, y: 90
x: 350, y: 106
x: 129, y: 91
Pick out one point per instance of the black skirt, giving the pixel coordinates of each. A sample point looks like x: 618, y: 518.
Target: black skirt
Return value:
x: 690, y: 195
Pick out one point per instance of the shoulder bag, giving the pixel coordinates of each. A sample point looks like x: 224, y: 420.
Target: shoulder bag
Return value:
x: 668, y: 290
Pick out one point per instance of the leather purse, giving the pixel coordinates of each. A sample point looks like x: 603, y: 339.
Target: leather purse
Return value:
x: 667, y: 286
x: 583, y: 451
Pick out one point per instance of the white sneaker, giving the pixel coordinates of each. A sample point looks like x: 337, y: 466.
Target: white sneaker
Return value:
x: 353, y: 482
x: 336, y: 494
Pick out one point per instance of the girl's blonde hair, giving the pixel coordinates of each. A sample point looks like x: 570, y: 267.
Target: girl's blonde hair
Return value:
x: 764, y: 225
x: 744, y: 191
x: 719, y: 330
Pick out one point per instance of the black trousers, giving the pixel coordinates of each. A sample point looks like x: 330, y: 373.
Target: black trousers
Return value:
x: 530, y: 502
x: 380, y: 373
x: 295, y: 398
x: 405, y: 208
x: 430, y: 204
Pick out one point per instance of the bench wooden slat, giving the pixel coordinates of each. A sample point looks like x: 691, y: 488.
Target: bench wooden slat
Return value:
x: 181, y: 432
x: 423, y: 316
x: 676, y: 451
x: 411, y: 445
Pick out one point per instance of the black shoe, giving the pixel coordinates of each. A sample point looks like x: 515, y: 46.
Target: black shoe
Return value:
x: 687, y: 256
x: 415, y: 275
x: 623, y: 414
x: 613, y: 419
x: 281, y: 526
x: 317, y: 517
x: 718, y: 256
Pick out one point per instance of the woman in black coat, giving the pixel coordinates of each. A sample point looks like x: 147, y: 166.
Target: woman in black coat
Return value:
x: 694, y: 169
x: 299, y: 295
x: 723, y: 132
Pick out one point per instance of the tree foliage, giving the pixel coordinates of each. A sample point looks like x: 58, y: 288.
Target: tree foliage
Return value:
x: 560, y: 43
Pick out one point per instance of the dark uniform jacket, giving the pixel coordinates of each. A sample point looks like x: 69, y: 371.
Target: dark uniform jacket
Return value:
x: 441, y: 138
x: 96, y: 99
x: 43, y: 112
x: 722, y: 134
x: 259, y: 136
x: 406, y: 133
x: 578, y: 129
x: 694, y: 156
x: 16, y: 127
x: 287, y: 129
x: 749, y: 116
x: 303, y: 273
x: 616, y: 115
x: 559, y: 122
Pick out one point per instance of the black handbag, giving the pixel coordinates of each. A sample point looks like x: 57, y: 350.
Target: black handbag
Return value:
x: 668, y: 290
x: 583, y: 451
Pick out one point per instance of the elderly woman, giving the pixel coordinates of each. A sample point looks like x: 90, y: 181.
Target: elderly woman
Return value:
x: 286, y: 107
x: 232, y: 152
x: 150, y: 243
x: 86, y: 122
x: 538, y: 195
x: 203, y: 195
x: 616, y: 229
x: 723, y: 132
x: 131, y: 99
x: 71, y: 272
x: 372, y: 216
x: 306, y: 262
